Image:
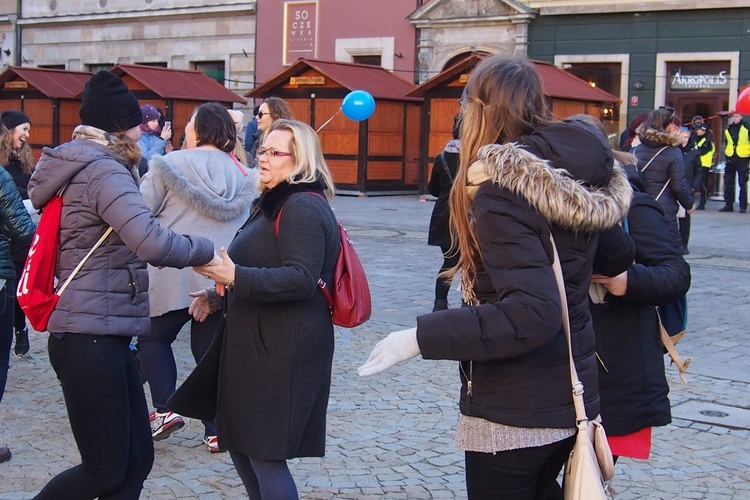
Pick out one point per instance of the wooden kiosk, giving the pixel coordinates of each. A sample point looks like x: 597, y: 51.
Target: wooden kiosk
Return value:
x: 176, y: 91
x: 50, y: 98
x: 379, y: 155
x: 566, y: 95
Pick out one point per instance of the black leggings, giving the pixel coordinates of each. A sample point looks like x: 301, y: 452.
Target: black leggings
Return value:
x: 108, y: 416
x: 265, y: 479
x: 523, y: 474
x: 443, y: 285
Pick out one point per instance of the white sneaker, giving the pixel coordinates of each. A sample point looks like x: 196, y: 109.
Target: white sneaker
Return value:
x: 213, y: 444
x: 164, y: 424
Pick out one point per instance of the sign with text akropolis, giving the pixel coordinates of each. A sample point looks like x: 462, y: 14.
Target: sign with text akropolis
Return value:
x: 300, y: 30
x: 696, y: 82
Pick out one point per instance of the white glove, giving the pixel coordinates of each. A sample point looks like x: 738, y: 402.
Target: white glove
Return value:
x: 395, y: 348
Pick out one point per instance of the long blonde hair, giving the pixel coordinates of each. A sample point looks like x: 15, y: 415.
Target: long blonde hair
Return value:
x: 503, y: 100
x: 307, y: 153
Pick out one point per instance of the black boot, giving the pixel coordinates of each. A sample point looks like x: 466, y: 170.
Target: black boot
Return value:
x: 440, y: 305
x: 22, y: 342
x: 727, y: 208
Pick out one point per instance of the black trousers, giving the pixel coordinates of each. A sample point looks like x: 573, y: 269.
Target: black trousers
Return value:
x: 108, y: 416
x: 523, y: 474
x: 736, y: 171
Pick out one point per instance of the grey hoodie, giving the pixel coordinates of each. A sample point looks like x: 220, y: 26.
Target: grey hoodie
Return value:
x: 108, y: 296
x: 199, y: 191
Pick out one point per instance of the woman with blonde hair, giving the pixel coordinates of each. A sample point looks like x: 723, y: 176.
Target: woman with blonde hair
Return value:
x: 275, y: 352
x: 521, y: 179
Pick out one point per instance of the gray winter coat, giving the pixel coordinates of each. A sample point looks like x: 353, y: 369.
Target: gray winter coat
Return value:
x: 196, y: 191
x: 108, y: 296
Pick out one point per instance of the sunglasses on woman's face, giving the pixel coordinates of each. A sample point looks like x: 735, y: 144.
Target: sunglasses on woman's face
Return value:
x: 261, y: 114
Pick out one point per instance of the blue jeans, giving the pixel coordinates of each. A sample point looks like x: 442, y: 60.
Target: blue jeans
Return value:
x: 157, y: 357
x: 108, y: 415
x: 7, y: 306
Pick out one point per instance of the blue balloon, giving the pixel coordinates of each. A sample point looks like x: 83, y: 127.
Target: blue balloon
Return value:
x: 358, y: 105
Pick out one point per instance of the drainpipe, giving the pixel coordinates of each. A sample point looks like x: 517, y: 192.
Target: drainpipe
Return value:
x: 17, y: 33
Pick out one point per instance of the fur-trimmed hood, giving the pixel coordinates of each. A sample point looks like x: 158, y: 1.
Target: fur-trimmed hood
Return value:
x: 654, y: 138
x: 559, y: 198
x: 208, y: 180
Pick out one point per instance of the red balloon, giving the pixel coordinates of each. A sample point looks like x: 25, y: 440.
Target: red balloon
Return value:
x: 743, y: 102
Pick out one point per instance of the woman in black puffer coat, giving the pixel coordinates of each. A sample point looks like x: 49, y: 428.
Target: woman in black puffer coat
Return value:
x: 441, y: 180
x: 520, y: 180
x: 633, y: 387
x: 664, y: 177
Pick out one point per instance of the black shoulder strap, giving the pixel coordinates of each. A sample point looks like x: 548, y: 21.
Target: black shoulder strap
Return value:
x: 445, y: 166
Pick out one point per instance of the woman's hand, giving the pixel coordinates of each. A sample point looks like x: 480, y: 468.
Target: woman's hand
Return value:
x: 616, y: 285
x: 396, y: 347
x: 199, y: 309
x: 166, y: 132
x: 221, y: 270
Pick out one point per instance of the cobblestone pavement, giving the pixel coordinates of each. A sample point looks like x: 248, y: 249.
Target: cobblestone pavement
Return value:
x: 391, y: 435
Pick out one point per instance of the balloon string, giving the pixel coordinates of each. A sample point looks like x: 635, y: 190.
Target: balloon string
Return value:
x: 328, y: 121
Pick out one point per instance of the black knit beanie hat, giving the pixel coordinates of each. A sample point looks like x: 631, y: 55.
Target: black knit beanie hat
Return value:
x: 108, y: 104
x: 12, y: 118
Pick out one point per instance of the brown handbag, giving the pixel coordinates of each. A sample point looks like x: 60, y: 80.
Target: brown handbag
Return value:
x: 590, y: 465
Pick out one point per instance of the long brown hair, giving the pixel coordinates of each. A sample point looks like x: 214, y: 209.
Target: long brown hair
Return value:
x: 503, y: 100
x: 125, y: 147
x: 23, y: 156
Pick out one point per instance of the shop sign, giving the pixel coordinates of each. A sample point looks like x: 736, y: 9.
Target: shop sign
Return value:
x: 307, y: 80
x: 300, y: 30
x: 18, y: 84
x: 699, y: 82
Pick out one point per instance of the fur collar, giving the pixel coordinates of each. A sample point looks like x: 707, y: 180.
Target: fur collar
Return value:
x: 207, y: 180
x: 559, y: 198
x: 653, y: 138
x: 271, y: 201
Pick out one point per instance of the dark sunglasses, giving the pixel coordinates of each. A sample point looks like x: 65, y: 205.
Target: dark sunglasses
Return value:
x: 669, y: 110
x: 261, y: 114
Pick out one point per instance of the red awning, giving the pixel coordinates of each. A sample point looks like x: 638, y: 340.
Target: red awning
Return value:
x: 170, y: 83
x: 53, y: 83
x: 376, y: 80
x: 556, y: 82
x: 561, y: 84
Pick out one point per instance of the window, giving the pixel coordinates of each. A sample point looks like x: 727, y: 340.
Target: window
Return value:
x: 154, y: 64
x: 214, y: 69
x: 52, y: 66
x: 371, y: 60
x: 93, y: 68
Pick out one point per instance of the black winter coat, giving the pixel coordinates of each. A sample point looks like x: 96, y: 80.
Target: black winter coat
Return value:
x: 16, y: 222
x: 668, y: 166
x: 633, y: 388
x: 512, y: 346
x: 275, y: 365
x: 441, y: 180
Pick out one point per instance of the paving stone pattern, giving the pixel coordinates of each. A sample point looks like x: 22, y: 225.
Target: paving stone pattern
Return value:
x: 391, y: 435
